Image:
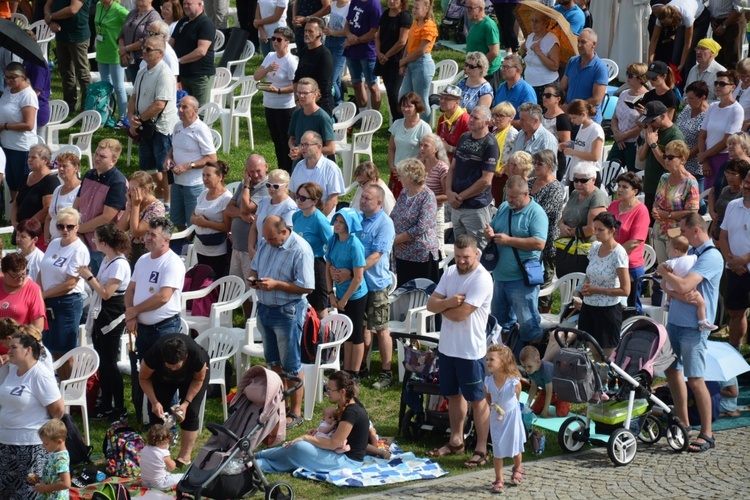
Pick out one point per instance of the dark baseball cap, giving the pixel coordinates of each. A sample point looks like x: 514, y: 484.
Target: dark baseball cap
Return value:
x: 653, y: 110
x: 657, y: 68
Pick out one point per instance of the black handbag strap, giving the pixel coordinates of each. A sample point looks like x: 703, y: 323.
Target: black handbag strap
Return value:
x: 137, y: 90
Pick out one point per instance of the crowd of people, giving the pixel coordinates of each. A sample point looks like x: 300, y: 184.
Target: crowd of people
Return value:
x: 514, y: 165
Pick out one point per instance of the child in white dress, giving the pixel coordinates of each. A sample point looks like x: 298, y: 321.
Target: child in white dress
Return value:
x: 502, y: 389
x: 156, y: 464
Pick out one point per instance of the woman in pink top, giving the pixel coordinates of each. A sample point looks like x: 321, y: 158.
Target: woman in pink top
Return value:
x: 634, y: 220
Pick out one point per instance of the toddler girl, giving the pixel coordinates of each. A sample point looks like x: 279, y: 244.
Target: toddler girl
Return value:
x: 156, y: 464
x: 502, y: 389
x: 55, y: 481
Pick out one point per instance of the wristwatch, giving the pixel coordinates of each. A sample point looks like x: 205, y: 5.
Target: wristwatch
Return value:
x: 192, y: 164
x: 653, y: 145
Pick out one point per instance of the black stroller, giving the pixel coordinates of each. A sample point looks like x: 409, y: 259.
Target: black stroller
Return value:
x: 225, y: 466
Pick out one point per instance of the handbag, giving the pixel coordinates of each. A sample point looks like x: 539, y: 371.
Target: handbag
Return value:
x: 572, y: 253
x: 489, y: 257
x: 533, y: 269
x: 212, y: 239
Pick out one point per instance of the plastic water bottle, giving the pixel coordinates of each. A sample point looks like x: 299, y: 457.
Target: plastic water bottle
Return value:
x: 234, y: 467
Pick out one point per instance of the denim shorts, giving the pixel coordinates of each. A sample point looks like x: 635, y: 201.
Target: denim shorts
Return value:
x: 153, y: 153
x: 361, y: 69
x: 462, y: 376
x: 281, y: 330
x: 690, y: 346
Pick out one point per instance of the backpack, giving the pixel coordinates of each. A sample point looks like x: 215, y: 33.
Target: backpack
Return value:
x: 78, y: 450
x: 200, y: 277
x: 312, y: 337
x: 122, y: 450
x: 100, y: 97
x: 112, y: 491
x: 574, y: 380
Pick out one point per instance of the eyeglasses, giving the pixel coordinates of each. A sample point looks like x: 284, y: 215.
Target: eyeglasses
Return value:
x: 631, y: 75
x: 301, y: 92
x: 66, y: 227
x: 328, y: 390
x: 548, y: 95
x: 274, y: 186
x: 303, y: 198
x: 729, y: 172
x: 277, y: 39
x: 577, y: 180
x: 670, y: 157
x: 309, y: 144
x: 504, y: 67
x: 472, y: 8
x: 150, y: 49
x: 17, y: 276
x: 471, y: 66
x: 722, y: 84
x: 153, y: 33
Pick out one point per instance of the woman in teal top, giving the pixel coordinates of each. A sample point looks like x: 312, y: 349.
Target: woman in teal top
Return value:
x: 108, y: 22
x: 313, y: 226
x: 345, y: 266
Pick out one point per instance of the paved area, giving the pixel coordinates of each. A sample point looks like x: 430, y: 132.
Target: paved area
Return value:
x: 656, y: 472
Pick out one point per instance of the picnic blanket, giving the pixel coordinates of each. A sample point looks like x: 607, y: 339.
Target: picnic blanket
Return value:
x: 133, y: 484
x: 400, y: 468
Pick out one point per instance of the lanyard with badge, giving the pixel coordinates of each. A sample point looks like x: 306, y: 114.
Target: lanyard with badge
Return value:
x: 100, y: 22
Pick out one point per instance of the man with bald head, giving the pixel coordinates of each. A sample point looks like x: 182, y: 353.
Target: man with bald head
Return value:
x: 282, y: 274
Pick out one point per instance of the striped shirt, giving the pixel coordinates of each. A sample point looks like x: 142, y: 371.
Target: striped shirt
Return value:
x: 292, y: 262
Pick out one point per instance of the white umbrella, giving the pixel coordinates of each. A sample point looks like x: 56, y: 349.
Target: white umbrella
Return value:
x: 723, y: 362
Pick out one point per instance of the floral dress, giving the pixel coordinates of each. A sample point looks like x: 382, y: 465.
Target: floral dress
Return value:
x: 508, y: 433
x: 416, y: 215
x: 684, y: 196
x: 551, y: 198
x: 690, y: 128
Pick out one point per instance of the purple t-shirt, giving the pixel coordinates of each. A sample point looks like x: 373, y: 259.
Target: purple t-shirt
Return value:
x: 363, y: 16
x: 39, y: 76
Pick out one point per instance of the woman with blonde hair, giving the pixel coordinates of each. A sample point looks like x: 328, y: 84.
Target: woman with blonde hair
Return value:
x: 475, y: 89
x: 625, y: 129
x: 141, y: 207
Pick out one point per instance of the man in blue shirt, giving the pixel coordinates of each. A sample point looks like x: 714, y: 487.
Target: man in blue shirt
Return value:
x: 519, y: 229
x: 573, y: 14
x: 688, y: 342
x: 514, y: 89
x: 586, y: 75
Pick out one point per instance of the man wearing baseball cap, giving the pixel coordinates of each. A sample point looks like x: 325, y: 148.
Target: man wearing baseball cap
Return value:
x: 659, y: 132
x: 706, y: 67
x: 454, y: 121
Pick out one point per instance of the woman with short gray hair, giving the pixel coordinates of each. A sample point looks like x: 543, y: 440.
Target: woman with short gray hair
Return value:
x: 475, y: 89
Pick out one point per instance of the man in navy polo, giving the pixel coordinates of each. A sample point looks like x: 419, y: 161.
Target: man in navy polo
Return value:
x: 586, y: 75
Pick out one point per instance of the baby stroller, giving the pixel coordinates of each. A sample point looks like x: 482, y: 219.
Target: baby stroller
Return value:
x: 225, y: 466
x: 452, y: 24
x: 624, y: 413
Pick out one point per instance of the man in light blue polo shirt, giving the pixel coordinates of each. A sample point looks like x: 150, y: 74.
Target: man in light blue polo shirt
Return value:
x: 586, y: 75
x: 688, y: 342
x: 573, y: 14
x: 282, y: 273
x: 514, y: 89
x: 532, y: 136
x: 519, y: 229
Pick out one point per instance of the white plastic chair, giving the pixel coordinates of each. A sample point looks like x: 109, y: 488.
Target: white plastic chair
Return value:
x: 229, y: 288
x: 209, y: 113
x: 89, y: 121
x: 21, y: 20
x: 222, y: 79
x: 343, y: 116
x: 340, y: 329
x: 417, y: 301
x: 567, y: 285
x: 611, y: 170
x: 237, y: 106
x: 232, y: 187
x: 73, y: 390
x: 216, y: 138
x: 654, y: 312
x: 361, y: 145
x: 219, y: 41
x: 43, y: 35
x: 445, y: 74
x: 58, y: 112
x: 67, y: 148
x: 238, y: 67
x: 649, y: 257
x: 220, y: 344
x: 612, y: 69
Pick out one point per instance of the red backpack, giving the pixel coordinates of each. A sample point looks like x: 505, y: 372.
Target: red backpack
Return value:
x: 312, y: 337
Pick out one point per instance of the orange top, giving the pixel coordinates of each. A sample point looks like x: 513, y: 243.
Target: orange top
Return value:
x: 428, y: 31
x: 4, y: 10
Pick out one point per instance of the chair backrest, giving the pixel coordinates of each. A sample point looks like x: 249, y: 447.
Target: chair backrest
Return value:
x: 232, y: 187
x: 445, y: 72
x: 339, y: 330
x: 209, y: 113
x: 222, y: 79
x: 649, y: 257
x: 90, y: 122
x: 20, y: 20
x: 58, y: 111
x: 459, y: 76
x: 344, y: 112
x: 370, y: 121
x: 567, y: 285
x: 612, y: 69
x: 221, y: 344
x: 85, y: 362
x: 230, y: 287
x: 42, y: 31
x: 219, y: 41
x: 611, y: 170
x: 216, y: 137
x: 67, y: 148
x: 241, y: 104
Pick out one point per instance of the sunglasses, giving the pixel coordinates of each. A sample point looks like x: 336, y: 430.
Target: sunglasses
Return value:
x: 548, y: 95
x: 277, y: 39
x: 275, y: 186
x: 671, y: 157
x: 149, y: 49
x: 631, y: 75
x: 303, y: 198
x: 722, y: 84
x: 580, y: 181
x: 66, y: 227
x: 470, y: 66
x: 654, y: 78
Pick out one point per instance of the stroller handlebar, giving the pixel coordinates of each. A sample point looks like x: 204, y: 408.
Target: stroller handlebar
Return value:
x: 298, y: 383
x: 215, y: 429
x: 580, y: 336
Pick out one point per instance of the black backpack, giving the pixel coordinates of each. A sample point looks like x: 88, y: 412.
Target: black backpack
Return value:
x: 79, y: 452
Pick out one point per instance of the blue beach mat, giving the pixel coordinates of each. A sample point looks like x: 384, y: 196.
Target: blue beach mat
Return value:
x: 554, y: 424
x: 400, y: 468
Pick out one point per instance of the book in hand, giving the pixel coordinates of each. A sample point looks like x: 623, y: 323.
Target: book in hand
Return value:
x: 631, y: 102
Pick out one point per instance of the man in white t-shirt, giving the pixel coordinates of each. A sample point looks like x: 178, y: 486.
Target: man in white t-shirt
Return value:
x: 463, y: 296
x: 317, y: 168
x: 153, y: 299
x: 192, y: 148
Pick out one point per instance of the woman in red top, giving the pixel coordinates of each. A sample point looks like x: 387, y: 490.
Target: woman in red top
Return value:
x: 634, y: 220
x: 20, y: 297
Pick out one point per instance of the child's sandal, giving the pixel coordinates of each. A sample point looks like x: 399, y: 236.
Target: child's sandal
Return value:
x: 517, y: 476
x: 497, y: 486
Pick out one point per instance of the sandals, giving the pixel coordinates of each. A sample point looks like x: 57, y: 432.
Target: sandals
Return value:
x: 477, y: 462
x: 517, y: 476
x: 180, y: 464
x: 497, y: 486
x: 296, y: 421
x: 707, y: 444
x: 454, y: 450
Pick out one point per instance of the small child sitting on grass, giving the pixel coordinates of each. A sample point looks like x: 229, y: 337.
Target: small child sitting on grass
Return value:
x: 55, y: 481
x: 156, y: 463
x: 681, y: 264
x: 540, y: 376
x: 729, y: 392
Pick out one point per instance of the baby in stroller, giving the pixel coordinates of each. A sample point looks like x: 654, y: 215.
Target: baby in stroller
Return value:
x: 328, y: 426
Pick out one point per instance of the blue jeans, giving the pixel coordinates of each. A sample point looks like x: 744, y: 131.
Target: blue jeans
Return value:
x: 115, y: 74
x: 265, y: 47
x: 184, y: 199
x: 690, y: 346
x: 305, y: 455
x: 515, y: 301
x: 281, y: 330
x: 153, y: 153
x: 335, y: 45
x: 418, y: 77
x: 95, y: 260
x: 703, y: 207
x: 64, y: 316
x: 149, y: 334
x: 634, y: 300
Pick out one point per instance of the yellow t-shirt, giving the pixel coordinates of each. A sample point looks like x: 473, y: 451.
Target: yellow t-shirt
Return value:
x: 428, y: 31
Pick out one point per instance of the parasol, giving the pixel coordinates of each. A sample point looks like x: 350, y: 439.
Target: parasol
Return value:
x: 559, y: 26
x: 723, y: 362
x: 18, y: 42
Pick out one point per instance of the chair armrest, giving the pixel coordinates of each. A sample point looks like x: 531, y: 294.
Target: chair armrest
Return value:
x: 221, y: 307
x: 181, y: 235
x: 350, y: 189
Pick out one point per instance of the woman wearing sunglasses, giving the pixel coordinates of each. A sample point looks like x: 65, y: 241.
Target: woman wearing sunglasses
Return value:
x: 277, y: 203
x: 62, y: 286
x: 310, y: 223
x: 475, y: 89
x: 662, y: 82
x: 625, y: 129
x: 556, y: 121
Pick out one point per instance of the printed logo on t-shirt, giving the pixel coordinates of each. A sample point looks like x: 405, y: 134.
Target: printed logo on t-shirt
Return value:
x: 18, y: 391
x: 154, y: 278
x: 60, y: 262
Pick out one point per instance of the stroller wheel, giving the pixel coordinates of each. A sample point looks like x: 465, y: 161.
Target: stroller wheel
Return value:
x: 622, y: 447
x: 652, y: 431
x: 677, y: 437
x: 279, y: 491
x: 573, y: 434
x: 411, y: 426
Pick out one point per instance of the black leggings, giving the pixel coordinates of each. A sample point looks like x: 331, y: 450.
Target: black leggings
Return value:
x: 392, y: 81
x: 278, y: 121
x: 164, y: 392
x: 407, y: 270
x: 110, y: 379
x: 218, y: 263
x: 506, y: 19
